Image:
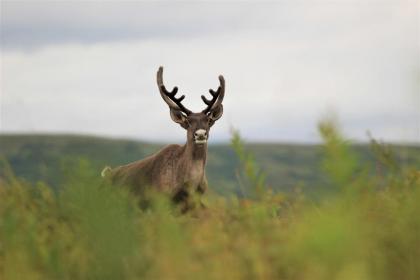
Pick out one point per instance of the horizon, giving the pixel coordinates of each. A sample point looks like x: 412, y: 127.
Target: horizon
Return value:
x: 352, y: 142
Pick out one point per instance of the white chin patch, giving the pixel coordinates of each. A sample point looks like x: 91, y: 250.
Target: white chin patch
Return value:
x: 200, y: 141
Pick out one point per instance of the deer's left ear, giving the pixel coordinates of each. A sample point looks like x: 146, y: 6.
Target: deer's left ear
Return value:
x: 178, y: 117
x: 216, y: 114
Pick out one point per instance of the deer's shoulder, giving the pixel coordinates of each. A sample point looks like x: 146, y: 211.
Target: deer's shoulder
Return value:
x: 172, y: 150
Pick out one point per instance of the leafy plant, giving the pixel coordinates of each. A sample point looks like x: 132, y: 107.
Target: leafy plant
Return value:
x: 91, y: 230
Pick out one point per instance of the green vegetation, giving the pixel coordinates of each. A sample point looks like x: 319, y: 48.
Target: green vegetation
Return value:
x: 366, y: 226
x: 286, y: 166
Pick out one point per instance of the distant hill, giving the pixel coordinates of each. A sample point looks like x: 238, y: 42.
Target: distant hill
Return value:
x: 40, y: 158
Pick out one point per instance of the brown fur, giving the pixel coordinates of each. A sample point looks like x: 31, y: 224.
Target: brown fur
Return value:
x: 170, y: 170
x: 176, y: 170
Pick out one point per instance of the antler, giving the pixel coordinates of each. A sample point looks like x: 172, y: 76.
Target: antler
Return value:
x: 217, y: 96
x: 169, y: 96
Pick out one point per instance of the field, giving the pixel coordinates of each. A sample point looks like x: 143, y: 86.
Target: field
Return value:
x: 287, y: 166
x: 333, y: 211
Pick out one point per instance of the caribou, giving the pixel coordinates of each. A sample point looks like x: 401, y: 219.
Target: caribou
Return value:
x: 176, y: 170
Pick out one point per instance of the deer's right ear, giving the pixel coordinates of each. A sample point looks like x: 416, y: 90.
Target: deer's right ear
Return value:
x: 216, y: 113
x: 178, y: 117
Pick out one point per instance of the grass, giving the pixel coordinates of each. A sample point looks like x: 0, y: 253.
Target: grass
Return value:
x: 366, y: 228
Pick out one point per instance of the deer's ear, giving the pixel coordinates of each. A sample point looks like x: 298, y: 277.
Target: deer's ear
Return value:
x: 178, y: 117
x: 216, y: 113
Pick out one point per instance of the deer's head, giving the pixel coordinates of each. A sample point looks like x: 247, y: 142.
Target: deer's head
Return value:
x: 196, y: 124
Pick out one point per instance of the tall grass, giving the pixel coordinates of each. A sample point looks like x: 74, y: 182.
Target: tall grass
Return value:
x: 368, y: 228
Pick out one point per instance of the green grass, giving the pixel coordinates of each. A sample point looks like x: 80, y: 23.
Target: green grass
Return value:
x: 366, y: 227
x: 43, y: 158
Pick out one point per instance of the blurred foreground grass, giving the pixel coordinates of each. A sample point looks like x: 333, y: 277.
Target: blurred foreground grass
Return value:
x: 367, y: 228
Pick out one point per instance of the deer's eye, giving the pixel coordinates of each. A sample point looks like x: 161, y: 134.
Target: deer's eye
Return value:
x: 210, y: 122
x: 187, y: 121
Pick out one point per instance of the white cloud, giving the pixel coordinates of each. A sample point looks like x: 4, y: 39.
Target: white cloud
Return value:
x: 282, y: 73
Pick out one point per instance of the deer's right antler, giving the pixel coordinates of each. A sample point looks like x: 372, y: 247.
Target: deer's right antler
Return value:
x: 169, y: 96
x: 217, y: 96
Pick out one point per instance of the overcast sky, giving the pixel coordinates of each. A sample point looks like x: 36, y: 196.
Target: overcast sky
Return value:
x: 90, y: 67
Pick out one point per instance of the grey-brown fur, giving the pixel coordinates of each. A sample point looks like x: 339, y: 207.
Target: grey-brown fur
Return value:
x: 176, y: 170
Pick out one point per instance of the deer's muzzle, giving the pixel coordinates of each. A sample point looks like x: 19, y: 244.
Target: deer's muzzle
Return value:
x: 200, y: 136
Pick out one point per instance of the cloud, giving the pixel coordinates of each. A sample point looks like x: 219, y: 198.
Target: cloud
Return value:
x: 284, y: 66
x: 28, y: 25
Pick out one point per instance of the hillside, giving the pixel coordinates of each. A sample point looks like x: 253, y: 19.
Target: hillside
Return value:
x: 44, y: 157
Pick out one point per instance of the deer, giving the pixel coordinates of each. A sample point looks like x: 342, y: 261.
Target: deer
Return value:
x: 176, y: 170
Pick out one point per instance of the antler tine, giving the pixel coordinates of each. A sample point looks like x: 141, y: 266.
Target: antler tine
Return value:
x: 217, y: 96
x: 169, y: 96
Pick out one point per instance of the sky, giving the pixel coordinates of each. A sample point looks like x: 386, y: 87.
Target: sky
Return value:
x: 90, y: 67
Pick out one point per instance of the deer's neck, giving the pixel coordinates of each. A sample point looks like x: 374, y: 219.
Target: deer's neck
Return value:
x: 196, y: 152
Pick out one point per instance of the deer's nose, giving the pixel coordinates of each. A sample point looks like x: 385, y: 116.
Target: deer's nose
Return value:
x: 200, y: 133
